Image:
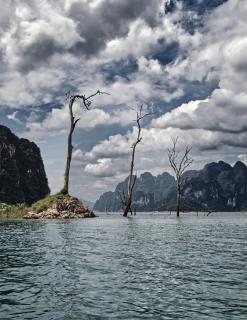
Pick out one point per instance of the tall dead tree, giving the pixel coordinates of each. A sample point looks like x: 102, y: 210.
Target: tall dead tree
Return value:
x: 179, y: 165
x: 86, y: 102
x: 127, y: 199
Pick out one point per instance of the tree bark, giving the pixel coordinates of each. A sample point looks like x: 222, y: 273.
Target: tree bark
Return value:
x: 127, y: 206
x: 86, y: 102
x: 132, y: 179
x: 178, y: 199
x: 65, y: 189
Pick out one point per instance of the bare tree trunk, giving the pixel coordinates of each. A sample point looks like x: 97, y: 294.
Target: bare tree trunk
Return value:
x: 65, y: 189
x: 86, y: 102
x: 178, y: 199
x: 127, y: 207
x: 179, y: 167
x: 128, y: 203
x: 132, y: 179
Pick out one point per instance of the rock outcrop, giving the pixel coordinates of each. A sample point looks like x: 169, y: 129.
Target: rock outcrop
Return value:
x: 22, y: 174
x: 218, y: 187
x: 148, y: 195
x: 65, y: 208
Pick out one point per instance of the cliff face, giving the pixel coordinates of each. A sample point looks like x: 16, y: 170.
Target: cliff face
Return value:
x: 218, y: 186
x: 149, y: 192
x: 22, y: 175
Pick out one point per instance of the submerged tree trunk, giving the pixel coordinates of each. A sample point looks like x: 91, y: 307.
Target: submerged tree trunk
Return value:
x: 127, y: 207
x: 178, y: 199
x: 131, y: 182
x: 127, y: 201
x: 179, y: 167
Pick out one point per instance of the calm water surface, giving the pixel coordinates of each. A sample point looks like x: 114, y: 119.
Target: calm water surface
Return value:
x: 146, y: 267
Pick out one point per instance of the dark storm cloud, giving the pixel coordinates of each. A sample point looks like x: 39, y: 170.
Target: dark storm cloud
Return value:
x: 38, y: 53
x: 122, y: 68
x: 214, y: 146
x: 165, y: 52
x: 237, y: 141
x: 40, y: 30
x: 213, y: 127
x: 108, y: 21
x: 5, y: 14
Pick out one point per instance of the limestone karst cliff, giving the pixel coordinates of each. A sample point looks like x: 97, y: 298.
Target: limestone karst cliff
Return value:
x: 218, y: 186
x: 22, y: 174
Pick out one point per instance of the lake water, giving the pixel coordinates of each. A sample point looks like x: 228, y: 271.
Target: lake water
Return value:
x: 152, y: 266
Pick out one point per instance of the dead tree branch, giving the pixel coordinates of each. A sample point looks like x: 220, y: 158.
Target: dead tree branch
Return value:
x: 179, y: 165
x: 86, y: 103
x: 132, y: 178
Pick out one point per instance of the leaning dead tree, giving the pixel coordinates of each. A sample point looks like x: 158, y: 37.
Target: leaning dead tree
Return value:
x: 179, y: 165
x: 85, y: 102
x: 126, y: 199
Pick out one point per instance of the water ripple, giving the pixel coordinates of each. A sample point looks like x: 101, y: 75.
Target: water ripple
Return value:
x: 149, y: 267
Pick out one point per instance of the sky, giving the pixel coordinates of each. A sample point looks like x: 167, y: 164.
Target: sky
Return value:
x: 184, y: 60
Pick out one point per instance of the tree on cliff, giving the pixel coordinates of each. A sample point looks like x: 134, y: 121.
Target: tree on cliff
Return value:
x: 179, y: 165
x: 127, y: 199
x: 86, y: 102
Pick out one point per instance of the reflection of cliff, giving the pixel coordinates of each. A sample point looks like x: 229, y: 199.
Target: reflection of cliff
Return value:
x: 218, y: 186
x: 22, y: 174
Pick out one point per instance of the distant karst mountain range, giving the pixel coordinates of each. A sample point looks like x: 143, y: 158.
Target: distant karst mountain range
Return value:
x: 217, y: 187
x: 22, y: 174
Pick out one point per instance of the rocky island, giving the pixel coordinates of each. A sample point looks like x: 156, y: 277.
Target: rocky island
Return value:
x: 59, y: 207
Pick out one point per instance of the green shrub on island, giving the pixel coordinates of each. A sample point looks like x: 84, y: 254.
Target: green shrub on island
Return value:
x: 12, y: 211
x: 47, y: 202
x: 58, y: 206
x: 21, y: 209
